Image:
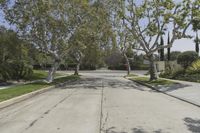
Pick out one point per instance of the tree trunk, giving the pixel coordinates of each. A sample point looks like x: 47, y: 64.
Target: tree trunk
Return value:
x: 52, y: 71
x: 162, y: 52
x: 127, y: 64
x: 169, y: 54
x: 152, y: 69
x: 77, y: 69
x: 197, y: 43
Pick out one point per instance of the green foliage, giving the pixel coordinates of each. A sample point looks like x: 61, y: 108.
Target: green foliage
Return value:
x: 196, y: 15
x: 115, y: 61
x: 21, y: 70
x: 186, y: 58
x: 152, y: 83
x: 5, y: 72
x: 174, y: 55
x: 48, y: 25
x: 195, y: 77
x: 14, y: 59
x: 191, y: 74
x: 194, y: 68
x: 87, y: 44
x: 38, y: 74
x: 166, y: 74
x: 178, y: 73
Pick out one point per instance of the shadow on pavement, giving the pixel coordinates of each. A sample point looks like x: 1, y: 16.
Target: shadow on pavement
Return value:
x: 86, y: 83
x: 134, y: 130
x: 193, y: 125
x: 97, y: 83
x: 171, y: 88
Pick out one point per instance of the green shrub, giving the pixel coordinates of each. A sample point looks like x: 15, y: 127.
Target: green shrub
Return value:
x: 166, y: 74
x: 174, y: 55
x: 178, y: 73
x: 15, y: 70
x: 21, y: 70
x: 194, y: 68
x: 192, y: 74
x: 189, y: 77
x: 5, y: 72
x: 185, y: 59
x: 172, y: 74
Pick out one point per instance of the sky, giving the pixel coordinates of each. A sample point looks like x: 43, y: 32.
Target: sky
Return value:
x: 183, y: 44
x: 179, y: 45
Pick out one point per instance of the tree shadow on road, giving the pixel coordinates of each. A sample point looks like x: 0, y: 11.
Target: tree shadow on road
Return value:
x: 86, y: 83
x: 173, y: 87
x: 193, y: 125
x: 133, y: 130
x: 127, y: 85
x: 98, y: 83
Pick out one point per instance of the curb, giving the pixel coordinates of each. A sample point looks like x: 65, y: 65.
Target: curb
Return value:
x: 26, y: 96
x: 21, y: 98
x: 153, y: 88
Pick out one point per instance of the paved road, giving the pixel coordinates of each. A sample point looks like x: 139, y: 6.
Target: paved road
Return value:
x: 102, y: 102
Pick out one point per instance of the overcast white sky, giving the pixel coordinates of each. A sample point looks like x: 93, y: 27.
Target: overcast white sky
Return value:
x: 183, y: 44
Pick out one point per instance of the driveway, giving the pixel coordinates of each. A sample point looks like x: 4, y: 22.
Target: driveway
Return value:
x: 101, y: 102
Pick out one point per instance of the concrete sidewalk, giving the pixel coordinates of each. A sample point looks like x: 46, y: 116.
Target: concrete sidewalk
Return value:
x: 188, y: 91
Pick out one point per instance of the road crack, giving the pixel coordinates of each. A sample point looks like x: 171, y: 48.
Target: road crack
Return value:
x: 102, y: 124
x: 48, y: 111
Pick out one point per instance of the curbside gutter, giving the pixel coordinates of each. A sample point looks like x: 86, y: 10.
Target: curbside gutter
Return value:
x: 26, y: 96
x: 176, y: 97
x: 21, y: 98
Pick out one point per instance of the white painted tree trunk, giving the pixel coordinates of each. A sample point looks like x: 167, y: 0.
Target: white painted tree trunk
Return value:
x: 152, y: 69
x: 77, y: 69
x: 52, y: 71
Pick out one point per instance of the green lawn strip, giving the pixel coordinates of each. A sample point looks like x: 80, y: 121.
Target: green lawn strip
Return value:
x: 132, y: 75
x: 41, y: 74
x: 19, y: 90
x: 159, y: 82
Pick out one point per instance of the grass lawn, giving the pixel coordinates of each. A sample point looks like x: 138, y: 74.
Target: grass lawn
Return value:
x: 132, y: 75
x: 40, y: 74
x: 27, y: 88
x: 158, y: 82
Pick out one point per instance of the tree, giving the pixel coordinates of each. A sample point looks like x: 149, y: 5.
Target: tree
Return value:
x: 14, y: 60
x: 124, y: 40
x: 168, y: 49
x: 196, y: 22
x: 90, y: 39
x: 48, y: 25
x: 174, y: 55
x: 149, y: 20
x: 197, y: 41
x: 196, y: 15
x: 115, y: 60
x: 162, y: 53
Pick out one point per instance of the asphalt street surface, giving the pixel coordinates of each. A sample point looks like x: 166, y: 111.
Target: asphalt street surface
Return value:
x: 101, y: 102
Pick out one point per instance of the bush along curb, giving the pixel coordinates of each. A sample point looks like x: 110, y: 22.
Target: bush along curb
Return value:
x: 154, y: 88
